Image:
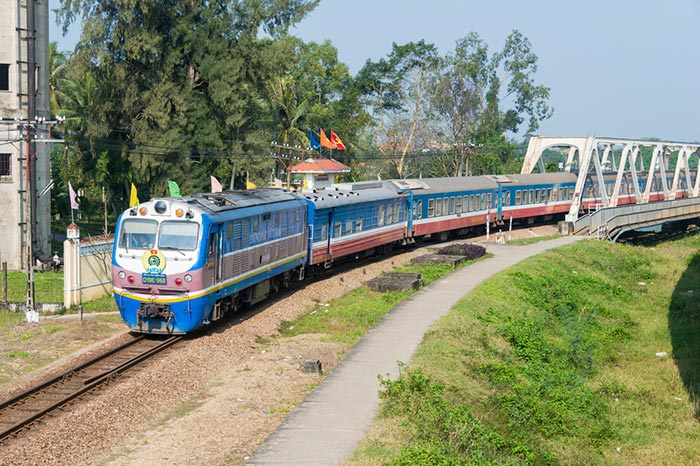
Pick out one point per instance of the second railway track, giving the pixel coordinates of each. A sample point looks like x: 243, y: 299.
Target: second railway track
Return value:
x: 19, y: 412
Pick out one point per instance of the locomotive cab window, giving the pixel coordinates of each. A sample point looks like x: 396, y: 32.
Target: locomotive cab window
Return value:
x: 181, y: 235
x: 138, y: 234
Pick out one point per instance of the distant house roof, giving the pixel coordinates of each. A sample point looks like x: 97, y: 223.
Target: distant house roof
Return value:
x: 320, y: 166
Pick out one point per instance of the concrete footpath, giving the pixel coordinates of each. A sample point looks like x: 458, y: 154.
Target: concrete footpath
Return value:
x: 328, y: 425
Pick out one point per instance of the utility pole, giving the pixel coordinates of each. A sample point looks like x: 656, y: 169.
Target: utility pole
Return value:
x: 289, y: 159
x: 31, y: 157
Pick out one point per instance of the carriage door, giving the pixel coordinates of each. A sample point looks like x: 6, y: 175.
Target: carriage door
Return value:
x: 214, y: 256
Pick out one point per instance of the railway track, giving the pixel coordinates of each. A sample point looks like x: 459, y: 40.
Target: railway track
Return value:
x: 19, y: 412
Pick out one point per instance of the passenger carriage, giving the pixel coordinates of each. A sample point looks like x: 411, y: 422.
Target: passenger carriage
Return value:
x: 354, y: 219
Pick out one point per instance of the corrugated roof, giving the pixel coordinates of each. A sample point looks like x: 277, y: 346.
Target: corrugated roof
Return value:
x: 320, y: 166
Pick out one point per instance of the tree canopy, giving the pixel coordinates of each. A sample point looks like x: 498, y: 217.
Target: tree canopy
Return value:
x: 170, y: 90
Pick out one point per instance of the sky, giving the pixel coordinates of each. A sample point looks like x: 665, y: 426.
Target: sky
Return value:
x: 615, y: 68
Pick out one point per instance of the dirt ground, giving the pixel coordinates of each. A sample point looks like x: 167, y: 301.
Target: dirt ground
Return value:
x: 213, y: 400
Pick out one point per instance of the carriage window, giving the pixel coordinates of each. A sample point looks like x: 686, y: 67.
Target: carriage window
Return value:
x: 517, y: 197
x: 380, y: 216
x: 358, y: 224
x: 138, y: 233
x: 458, y: 207
x: 396, y: 213
x: 431, y: 207
x: 465, y: 203
x: 571, y: 192
x: 336, y: 229
x: 532, y: 196
x: 445, y: 204
x: 472, y: 205
x: 489, y: 200
x: 420, y: 209
x: 438, y: 207
x: 181, y: 235
x: 452, y: 205
x: 507, y: 199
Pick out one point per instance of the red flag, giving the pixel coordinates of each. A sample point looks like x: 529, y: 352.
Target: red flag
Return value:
x: 337, y: 142
x: 325, y: 142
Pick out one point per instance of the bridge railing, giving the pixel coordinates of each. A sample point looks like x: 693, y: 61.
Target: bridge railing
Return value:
x: 612, y: 221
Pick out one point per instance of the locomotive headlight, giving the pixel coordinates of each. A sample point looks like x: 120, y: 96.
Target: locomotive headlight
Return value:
x: 160, y: 207
x: 179, y: 212
x: 122, y: 274
x: 188, y: 278
x: 142, y: 211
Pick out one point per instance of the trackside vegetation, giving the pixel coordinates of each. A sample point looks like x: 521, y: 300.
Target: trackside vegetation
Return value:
x: 588, y: 354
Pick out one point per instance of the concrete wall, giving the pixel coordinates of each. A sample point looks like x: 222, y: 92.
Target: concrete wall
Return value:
x: 87, y: 270
x: 13, y: 106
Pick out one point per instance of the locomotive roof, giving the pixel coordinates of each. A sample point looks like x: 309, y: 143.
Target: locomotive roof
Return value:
x: 227, y: 200
x: 336, y: 196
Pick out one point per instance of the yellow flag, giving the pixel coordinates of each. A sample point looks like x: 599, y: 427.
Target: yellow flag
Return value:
x: 133, y: 200
x: 249, y: 185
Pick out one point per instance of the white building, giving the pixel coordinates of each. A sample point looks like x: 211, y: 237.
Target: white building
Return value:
x: 14, y: 117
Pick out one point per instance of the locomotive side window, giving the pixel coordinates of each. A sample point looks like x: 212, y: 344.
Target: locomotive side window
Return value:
x: 138, y: 233
x: 256, y: 224
x: 181, y: 235
x: 212, y: 244
x: 324, y: 232
x: 380, y: 216
x: 277, y: 219
x: 266, y: 216
x: 431, y: 207
x: 337, y: 229
x: 396, y: 213
x: 358, y: 224
x: 348, y: 226
x: 389, y: 215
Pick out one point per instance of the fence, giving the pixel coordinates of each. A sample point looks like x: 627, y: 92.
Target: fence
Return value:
x: 87, y: 270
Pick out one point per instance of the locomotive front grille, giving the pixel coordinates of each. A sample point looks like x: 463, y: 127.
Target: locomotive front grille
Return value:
x: 155, y: 311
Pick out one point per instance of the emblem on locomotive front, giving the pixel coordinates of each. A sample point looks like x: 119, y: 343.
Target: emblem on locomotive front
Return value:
x: 153, y: 261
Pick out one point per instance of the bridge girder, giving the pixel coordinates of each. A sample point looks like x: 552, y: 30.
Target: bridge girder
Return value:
x: 593, y: 154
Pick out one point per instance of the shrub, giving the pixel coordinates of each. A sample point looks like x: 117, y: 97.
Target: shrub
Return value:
x: 468, y: 250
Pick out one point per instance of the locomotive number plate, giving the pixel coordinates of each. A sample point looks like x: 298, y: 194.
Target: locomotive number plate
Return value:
x: 154, y: 279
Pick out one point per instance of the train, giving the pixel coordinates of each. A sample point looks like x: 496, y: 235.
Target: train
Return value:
x: 180, y: 263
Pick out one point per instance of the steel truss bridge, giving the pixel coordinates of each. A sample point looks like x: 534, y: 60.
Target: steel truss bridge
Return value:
x: 623, y: 157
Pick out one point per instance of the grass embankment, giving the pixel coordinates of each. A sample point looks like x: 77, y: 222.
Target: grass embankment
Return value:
x: 554, y: 361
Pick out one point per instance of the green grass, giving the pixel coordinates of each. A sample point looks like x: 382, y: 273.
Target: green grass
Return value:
x: 48, y: 287
x: 346, y: 319
x: 554, y: 361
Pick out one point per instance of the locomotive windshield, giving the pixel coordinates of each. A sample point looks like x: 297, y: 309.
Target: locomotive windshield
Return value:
x: 138, y: 234
x: 178, y: 235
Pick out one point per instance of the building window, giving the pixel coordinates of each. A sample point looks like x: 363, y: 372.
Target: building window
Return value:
x: 5, y: 165
x: 4, y: 77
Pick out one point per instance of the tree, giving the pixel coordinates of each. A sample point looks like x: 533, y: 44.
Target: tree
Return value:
x: 395, y: 92
x: 477, y: 98
x: 177, y: 82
